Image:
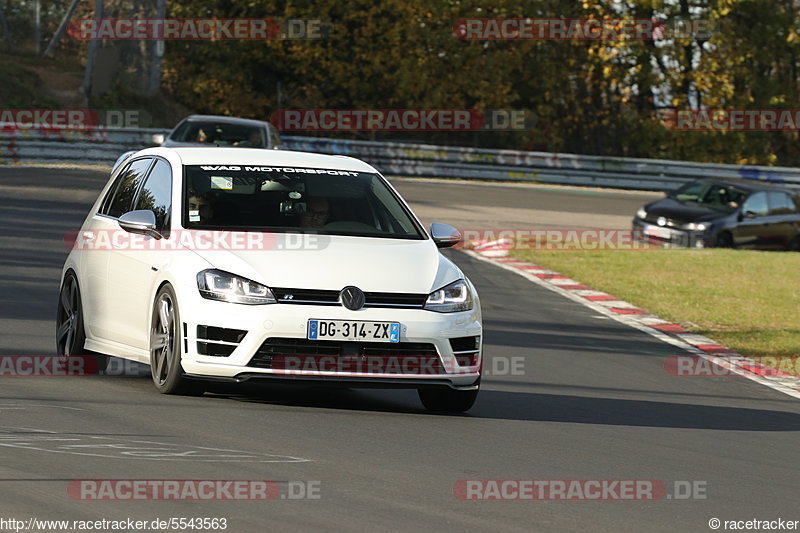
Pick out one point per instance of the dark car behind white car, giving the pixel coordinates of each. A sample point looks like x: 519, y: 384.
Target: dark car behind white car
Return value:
x: 729, y: 213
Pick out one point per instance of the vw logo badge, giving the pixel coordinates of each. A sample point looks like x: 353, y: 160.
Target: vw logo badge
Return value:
x: 352, y: 298
x: 661, y: 221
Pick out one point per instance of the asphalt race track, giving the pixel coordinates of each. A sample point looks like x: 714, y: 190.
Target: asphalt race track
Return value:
x: 592, y: 401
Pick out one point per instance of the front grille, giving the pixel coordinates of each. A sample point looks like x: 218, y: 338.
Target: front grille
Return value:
x: 305, y: 296
x: 218, y: 342
x: 675, y: 238
x: 394, y: 299
x: 397, y: 300
x: 652, y: 218
x: 214, y: 333
x: 670, y: 223
x: 466, y: 349
x: 280, y: 346
x: 465, y: 344
x: 672, y: 237
x: 341, y: 356
x: 215, y: 349
x: 292, y: 346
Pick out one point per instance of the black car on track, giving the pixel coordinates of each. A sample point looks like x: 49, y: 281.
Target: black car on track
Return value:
x: 724, y: 213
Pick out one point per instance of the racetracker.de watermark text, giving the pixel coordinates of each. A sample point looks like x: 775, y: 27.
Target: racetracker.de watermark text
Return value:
x: 578, y: 490
x: 574, y: 29
x: 194, y: 29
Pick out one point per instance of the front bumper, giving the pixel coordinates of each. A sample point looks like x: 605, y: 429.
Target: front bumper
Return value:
x: 345, y: 381
x: 669, y: 237
x: 264, y: 325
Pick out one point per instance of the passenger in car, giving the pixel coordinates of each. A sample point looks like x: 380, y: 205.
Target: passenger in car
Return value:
x: 201, y: 136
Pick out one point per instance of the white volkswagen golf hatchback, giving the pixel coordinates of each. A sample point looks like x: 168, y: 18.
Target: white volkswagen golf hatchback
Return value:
x: 236, y: 264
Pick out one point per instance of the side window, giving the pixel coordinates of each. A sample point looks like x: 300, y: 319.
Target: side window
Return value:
x: 756, y: 204
x: 156, y: 195
x: 274, y: 137
x: 780, y: 203
x: 692, y: 192
x: 111, y: 190
x: 125, y: 191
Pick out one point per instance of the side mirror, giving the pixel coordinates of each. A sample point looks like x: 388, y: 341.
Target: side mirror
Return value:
x: 750, y: 214
x: 445, y: 235
x: 140, y: 221
x: 159, y: 138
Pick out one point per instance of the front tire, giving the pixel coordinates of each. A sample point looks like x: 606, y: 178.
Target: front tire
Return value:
x: 447, y: 400
x: 165, y: 346
x: 70, y: 333
x: 724, y: 240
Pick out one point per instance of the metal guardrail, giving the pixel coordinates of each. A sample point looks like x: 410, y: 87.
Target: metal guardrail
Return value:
x: 91, y: 146
x: 103, y: 146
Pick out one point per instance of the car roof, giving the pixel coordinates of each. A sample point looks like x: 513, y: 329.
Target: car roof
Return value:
x: 229, y: 120
x: 749, y: 185
x: 204, y: 155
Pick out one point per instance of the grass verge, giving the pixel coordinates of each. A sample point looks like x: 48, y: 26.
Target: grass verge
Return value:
x: 746, y: 300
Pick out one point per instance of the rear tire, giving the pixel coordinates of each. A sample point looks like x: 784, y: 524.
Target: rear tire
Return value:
x: 70, y: 333
x: 447, y: 400
x: 165, y: 347
x: 794, y: 245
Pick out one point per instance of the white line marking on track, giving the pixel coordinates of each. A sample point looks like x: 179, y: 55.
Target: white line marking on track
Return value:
x: 10, y: 406
x: 124, y: 448
x: 786, y: 386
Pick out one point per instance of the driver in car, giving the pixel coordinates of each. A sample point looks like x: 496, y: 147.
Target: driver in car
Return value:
x: 316, y: 214
x: 253, y: 141
x: 199, y: 208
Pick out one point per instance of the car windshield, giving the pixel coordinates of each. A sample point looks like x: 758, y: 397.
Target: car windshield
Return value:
x: 289, y: 199
x: 715, y: 196
x: 220, y: 133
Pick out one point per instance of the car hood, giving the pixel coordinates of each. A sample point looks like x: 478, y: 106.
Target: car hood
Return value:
x: 674, y: 210
x: 331, y: 262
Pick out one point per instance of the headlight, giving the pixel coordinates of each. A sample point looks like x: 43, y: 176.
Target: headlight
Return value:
x: 450, y: 299
x: 641, y: 213
x: 222, y: 286
x: 697, y: 227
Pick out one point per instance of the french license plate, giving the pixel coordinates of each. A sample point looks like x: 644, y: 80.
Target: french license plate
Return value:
x: 353, y: 330
x: 656, y: 231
